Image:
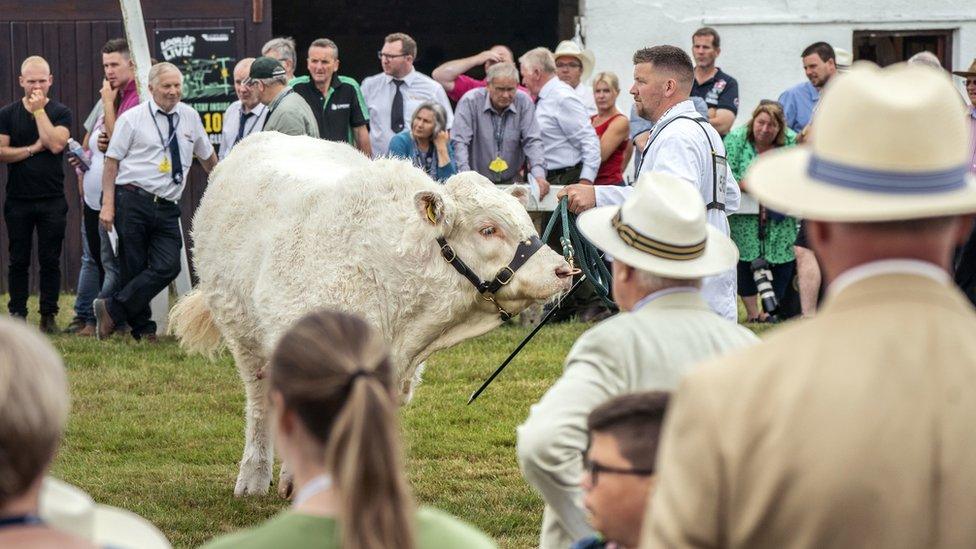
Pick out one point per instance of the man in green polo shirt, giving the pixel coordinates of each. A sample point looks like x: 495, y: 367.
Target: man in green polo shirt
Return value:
x: 336, y: 101
x: 287, y: 111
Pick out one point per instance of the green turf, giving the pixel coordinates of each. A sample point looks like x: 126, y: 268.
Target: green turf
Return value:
x: 160, y: 433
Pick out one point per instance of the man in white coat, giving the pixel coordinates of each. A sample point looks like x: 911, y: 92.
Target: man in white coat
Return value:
x: 682, y: 144
x: 662, y: 248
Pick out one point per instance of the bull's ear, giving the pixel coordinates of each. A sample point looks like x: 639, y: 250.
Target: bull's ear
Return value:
x: 430, y: 206
x: 521, y: 192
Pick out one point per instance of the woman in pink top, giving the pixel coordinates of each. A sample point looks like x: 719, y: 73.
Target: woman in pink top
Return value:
x: 612, y: 127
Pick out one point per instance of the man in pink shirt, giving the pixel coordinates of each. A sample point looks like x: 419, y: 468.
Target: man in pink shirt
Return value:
x: 456, y: 83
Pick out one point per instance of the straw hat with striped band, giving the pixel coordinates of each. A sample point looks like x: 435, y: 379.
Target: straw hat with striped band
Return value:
x: 888, y: 144
x: 661, y: 228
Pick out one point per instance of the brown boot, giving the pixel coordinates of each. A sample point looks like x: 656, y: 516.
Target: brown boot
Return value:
x: 88, y: 330
x: 48, y: 325
x: 104, y: 325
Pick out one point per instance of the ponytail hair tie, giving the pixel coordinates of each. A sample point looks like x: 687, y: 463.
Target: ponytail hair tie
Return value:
x: 355, y: 375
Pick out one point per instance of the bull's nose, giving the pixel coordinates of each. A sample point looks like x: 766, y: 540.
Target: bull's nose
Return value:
x: 565, y: 271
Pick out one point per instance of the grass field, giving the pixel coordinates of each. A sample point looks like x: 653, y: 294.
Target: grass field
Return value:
x: 160, y: 433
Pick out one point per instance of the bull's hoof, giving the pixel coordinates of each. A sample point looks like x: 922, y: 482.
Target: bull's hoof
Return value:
x: 286, y: 484
x: 253, y: 480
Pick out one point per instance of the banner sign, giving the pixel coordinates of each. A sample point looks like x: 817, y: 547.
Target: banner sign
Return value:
x: 207, y: 58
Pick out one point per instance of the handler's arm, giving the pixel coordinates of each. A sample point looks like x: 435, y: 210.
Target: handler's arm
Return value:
x: 552, y: 440
x: 109, y: 172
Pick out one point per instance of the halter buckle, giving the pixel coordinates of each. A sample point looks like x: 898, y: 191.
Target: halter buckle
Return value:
x: 505, y: 281
x: 448, y: 252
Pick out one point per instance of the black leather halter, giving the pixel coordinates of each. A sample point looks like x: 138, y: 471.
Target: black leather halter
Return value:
x: 488, y: 288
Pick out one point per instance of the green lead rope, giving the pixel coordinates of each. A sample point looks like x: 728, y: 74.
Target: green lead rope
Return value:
x: 580, y: 253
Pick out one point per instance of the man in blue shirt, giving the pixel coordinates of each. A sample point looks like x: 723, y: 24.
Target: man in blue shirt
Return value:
x: 820, y: 65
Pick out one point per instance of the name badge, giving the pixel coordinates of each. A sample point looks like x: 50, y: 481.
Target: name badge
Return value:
x: 498, y: 165
x: 165, y: 166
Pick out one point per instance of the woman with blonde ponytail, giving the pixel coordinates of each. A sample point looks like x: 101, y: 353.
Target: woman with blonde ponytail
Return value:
x: 335, y: 404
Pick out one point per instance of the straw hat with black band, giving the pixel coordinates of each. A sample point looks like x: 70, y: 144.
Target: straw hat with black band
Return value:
x: 971, y: 73
x: 661, y: 228
x: 569, y: 48
x: 889, y: 145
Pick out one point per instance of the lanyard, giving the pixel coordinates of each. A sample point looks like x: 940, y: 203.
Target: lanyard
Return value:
x: 654, y: 133
x: 313, y: 487
x: 164, y: 142
x: 274, y: 105
x: 499, y: 130
x: 254, y: 122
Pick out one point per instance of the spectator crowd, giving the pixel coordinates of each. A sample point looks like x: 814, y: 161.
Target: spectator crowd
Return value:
x: 670, y: 425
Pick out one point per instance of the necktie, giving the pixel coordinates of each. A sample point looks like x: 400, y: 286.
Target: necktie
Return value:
x: 396, y: 113
x: 240, y: 130
x: 174, y: 151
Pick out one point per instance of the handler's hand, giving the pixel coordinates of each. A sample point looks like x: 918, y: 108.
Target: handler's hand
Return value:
x: 582, y: 197
x: 108, y: 92
x: 543, y: 187
x: 107, y: 216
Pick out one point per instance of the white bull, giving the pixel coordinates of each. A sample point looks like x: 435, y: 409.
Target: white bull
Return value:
x: 291, y: 224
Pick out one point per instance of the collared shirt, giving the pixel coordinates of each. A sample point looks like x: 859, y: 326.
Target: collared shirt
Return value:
x: 129, y: 99
x: 136, y: 145
x: 585, y: 93
x: 798, y: 104
x: 682, y: 150
x: 232, y: 123
x: 886, y: 267
x: 661, y: 293
x: 567, y: 135
x: 379, y: 91
x: 972, y: 139
x: 289, y: 114
x: 339, y: 110
x: 719, y: 92
x: 474, y: 139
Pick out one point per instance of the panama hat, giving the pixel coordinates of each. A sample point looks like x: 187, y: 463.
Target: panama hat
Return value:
x: 843, y: 59
x: 888, y: 144
x: 68, y: 509
x: 572, y: 49
x: 661, y: 228
x: 967, y: 74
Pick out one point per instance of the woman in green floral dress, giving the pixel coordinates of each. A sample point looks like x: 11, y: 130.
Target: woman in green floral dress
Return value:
x: 765, y: 131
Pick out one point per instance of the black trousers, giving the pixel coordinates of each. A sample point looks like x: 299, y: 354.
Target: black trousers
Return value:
x: 149, y: 256
x: 90, y: 219
x: 48, y: 218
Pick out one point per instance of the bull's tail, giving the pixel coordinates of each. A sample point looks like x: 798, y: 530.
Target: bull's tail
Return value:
x: 191, y: 321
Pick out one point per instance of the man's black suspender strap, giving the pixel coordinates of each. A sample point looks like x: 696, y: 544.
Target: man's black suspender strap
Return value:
x: 715, y: 204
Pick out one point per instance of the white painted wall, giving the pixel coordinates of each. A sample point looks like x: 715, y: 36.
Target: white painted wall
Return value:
x: 762, y: 39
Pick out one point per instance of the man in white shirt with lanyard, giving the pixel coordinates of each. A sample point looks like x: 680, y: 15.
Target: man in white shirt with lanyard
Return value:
x: 146, y: 167
x: 682, y: 144
x: 244, y: 116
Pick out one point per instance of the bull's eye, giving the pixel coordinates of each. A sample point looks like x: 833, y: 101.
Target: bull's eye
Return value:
x: 488, y: 231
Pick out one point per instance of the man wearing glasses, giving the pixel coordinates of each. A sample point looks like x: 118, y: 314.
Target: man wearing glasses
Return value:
x: 662, y: 247
x: 618, y: 467
x: 393, y: 95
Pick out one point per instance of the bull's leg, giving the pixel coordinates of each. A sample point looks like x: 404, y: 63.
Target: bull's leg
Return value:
x: 257, y: 463
x: 286, y: 482
x: 409, y: 380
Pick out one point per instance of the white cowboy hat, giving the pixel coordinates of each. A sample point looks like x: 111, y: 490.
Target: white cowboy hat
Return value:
x: 661, y: 228
x: 888, y: 144
x: 69, y: 509
x: 843, y: 59
x: 968, y: 73
x: 572, y: 49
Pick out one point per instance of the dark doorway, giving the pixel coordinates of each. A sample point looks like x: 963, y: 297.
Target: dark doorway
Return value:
x: 888, y: 47
x: 443, y: 30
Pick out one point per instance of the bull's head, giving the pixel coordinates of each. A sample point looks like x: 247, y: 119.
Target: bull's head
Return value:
x: 484, y: 227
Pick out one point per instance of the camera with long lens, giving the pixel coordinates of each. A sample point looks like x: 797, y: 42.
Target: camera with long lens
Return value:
x: 763, y: 278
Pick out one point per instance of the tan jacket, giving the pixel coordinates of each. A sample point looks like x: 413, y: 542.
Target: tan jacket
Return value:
x: 651, y: 348
x: 855, y: 429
